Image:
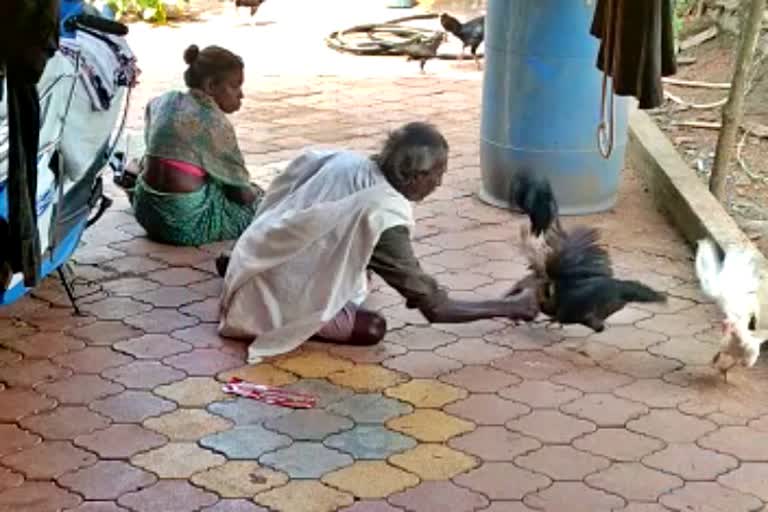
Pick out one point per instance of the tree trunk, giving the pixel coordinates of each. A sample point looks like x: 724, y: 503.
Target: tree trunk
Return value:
x: 733, y: 112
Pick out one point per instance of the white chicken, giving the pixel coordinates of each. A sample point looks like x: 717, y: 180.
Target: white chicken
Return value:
x: 732, y: 281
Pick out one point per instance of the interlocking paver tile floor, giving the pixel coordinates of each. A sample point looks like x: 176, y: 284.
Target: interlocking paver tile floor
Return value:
x: 123, y: 409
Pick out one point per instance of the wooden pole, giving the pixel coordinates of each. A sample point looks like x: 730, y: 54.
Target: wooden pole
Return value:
x: 733, y: 112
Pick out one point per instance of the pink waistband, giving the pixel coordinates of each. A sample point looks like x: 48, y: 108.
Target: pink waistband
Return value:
x: 184, y: 167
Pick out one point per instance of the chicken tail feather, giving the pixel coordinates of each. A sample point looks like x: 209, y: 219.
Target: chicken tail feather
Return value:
x: 708, y: 267
x: 633, y: 291
x: 450, y: 24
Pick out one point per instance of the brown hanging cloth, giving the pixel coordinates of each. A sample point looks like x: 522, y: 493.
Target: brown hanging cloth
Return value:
x: 637, y: 46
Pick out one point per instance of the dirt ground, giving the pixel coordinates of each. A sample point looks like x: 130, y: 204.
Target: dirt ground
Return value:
x: 747, y: 188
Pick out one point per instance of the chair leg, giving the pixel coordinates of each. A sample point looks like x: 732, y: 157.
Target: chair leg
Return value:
x: 69, y: 290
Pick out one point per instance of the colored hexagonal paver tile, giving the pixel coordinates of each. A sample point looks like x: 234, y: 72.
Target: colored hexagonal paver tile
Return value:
x: 370, y: 408
x: 415, y: 337
x: 480, y: 379
x: 306, y: 460
x: 64, y: 422
x: 487, y: 409
x: 642, y: 365
x: 93, y: 359
x: 248, y: 442
x: 98, y: 506
x: 31, y: 496
x: 132, y: 406
x: 592, y: 379
x: 106, y: 480
x: 605, y: 410
x: 655, y: 393
x: 618, y: 444
x: 80, y: 389
x: 371, y: 506
x: 192, y: 391
x: 237, y: 479
x: 243, y: 411
x: 161, y: 321
x: 168, y: 495
x: 370, y: 442
x: 48, y: 459
x: 10, y: 479
x: 494, y: 444
x: 551, y: 461
x: 634, y: 481
x: 473, y: 351
x: 171, y: 296
x: 309, y: 424
x: 152, y: 346
x: 120, y: 441
x: 313, y: 364
x: 204, y: 362
x: 187, y: 424
x: 430, y: 425
x: 709, y: 496
x: 540, y: 393
x: 749, y: 478
x: 104, y: 332
x: 17, y: 403
x: 672, y: 426
x: 177, y: 460
x: 440, y: 496
x: 323, y: 391
x: 551, y: 426
x: 366, y: 378
x: 370, y: 479
x: 263, y: 373
x: 425, y: 365
x: 502, y: 481
x: 30, y: 372
x: 13, y: 439
x: 144, y: 374
x: 434, y: 462
x: 304, y: 496
x: 532, y: 364
x: 178, y: 276
x: 574, y: 497
x: 368, y: 355
x: 115, y: 308
x: 745, y: 443
x: 43, y: 345
x: 234, y: 506
x: 426, y: 393
x: 691, y: 462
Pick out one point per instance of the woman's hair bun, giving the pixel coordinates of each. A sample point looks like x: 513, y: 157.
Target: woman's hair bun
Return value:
x: 191, y: 53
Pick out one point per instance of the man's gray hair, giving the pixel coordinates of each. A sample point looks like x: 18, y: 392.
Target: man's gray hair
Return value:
x: 410, y: 151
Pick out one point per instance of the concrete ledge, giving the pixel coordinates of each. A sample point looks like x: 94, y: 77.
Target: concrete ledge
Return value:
x: 682, y: 196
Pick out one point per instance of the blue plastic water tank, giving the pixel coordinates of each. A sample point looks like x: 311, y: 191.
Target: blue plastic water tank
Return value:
x: 541, y: 104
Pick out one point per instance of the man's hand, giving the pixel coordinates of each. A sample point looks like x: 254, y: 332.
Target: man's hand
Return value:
x: 523, y: 305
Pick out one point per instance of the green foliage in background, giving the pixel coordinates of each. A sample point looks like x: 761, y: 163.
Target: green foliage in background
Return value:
x: 148, y: 10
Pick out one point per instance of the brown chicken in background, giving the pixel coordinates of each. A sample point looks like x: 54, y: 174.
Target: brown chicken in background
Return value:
x: 471, y: 33
x: 423, y: 49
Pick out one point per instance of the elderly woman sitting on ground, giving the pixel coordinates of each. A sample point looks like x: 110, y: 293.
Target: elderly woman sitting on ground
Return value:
x: 300, y: 269
x: 193, y: 187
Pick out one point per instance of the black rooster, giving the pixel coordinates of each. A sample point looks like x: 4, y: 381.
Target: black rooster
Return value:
x: 533, y: 195
x: 423, y: 49
x: 253, y: 4
x: 574, y: 282
x: 471, y: 33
